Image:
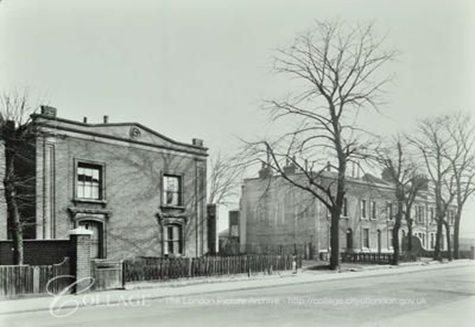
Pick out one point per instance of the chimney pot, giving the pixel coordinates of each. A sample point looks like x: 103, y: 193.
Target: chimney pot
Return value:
x: 106, y: 119
x: 84, y: 120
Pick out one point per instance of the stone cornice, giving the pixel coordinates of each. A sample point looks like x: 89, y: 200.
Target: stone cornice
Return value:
x: 60, y: 124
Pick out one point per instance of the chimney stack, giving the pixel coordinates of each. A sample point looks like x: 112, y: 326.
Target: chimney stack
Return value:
x: 265, y: 171
x: 48, y: 111
x: 84, y: 120
x: 106, y: 119
x: 197, y: 142
x: 290, y: 166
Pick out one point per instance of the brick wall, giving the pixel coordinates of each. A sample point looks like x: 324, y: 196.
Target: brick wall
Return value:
x: 37, y: 252
x: 81, y: 261
x: 3, y: 205
x: 212, y: 218
x: 277, y: 218
x: 276, y: 215
x: 133, y: 193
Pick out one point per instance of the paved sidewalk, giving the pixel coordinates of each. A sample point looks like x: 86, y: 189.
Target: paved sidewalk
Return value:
x: 149, y: 291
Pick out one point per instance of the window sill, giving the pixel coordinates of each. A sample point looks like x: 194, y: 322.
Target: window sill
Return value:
x: 90, y: 201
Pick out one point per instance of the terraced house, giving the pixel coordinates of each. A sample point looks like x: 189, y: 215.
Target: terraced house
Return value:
x: 141, y: 193
x: 278, y: 217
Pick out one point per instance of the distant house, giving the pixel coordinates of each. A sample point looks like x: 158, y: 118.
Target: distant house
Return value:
x: 141, y: 193
x: 229, y: 238
x: 277, y: 217
x: 467, y: 243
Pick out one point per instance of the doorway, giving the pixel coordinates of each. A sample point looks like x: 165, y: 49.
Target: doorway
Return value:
x: 96, y: 237
x: 349, y: 239
x: 379, y: 241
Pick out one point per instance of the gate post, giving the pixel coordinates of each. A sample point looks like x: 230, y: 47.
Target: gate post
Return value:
x: 81, y: 259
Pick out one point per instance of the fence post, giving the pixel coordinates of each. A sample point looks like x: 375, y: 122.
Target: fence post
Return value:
x: 294, y: 264
x: 122, y: 265
x: 36, y: 279
x: 81, y: 261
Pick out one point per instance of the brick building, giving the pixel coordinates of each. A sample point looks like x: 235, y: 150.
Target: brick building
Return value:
x: 278, y: 217
x: 141, y: 193
x: 229, y: 238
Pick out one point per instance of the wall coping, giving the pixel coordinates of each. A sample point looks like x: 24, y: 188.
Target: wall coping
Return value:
x: 39, y: 240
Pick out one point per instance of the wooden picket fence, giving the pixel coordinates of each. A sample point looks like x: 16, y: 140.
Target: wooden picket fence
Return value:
x: 375, y: 257
x: 25, y: 280
x: 157, y: 268
x: 464, y: 254
x: 107, y: 274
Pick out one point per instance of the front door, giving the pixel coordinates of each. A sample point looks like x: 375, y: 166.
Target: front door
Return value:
x: 349, y: 239
x: 96, y: 237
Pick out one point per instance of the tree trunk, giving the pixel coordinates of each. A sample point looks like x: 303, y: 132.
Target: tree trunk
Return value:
x: 17, y: 235
x: 340, y: 191
x: 13, y: 212
x: 334, y: 240
x: 395, y: 260
x: 400, y: 196
x: 410, y: 222
x: 458, y: 216
x: 397, y: 226
x: 13, y: 215
x: 449, y: 246
x: 438, y: 238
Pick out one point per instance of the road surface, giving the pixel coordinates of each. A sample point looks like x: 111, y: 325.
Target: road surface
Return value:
x: 439, y: 297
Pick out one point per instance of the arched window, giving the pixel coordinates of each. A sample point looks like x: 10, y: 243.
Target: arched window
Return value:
x: 173, y: 239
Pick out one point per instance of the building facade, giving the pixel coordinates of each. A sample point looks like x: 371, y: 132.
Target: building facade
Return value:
x: 141, y: 193
x: 229, y: 243
x: 280, y: 218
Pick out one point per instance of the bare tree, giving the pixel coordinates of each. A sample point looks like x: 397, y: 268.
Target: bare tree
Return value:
x: 399, y: 168
x: 225, y: 173
x: 18, y: 136
x: 436, y: 146
x: 417, y: 184
x: 462, y: 160
x: 337, y: 70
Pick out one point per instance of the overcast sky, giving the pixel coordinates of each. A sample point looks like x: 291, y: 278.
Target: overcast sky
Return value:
x: 201, y: 68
